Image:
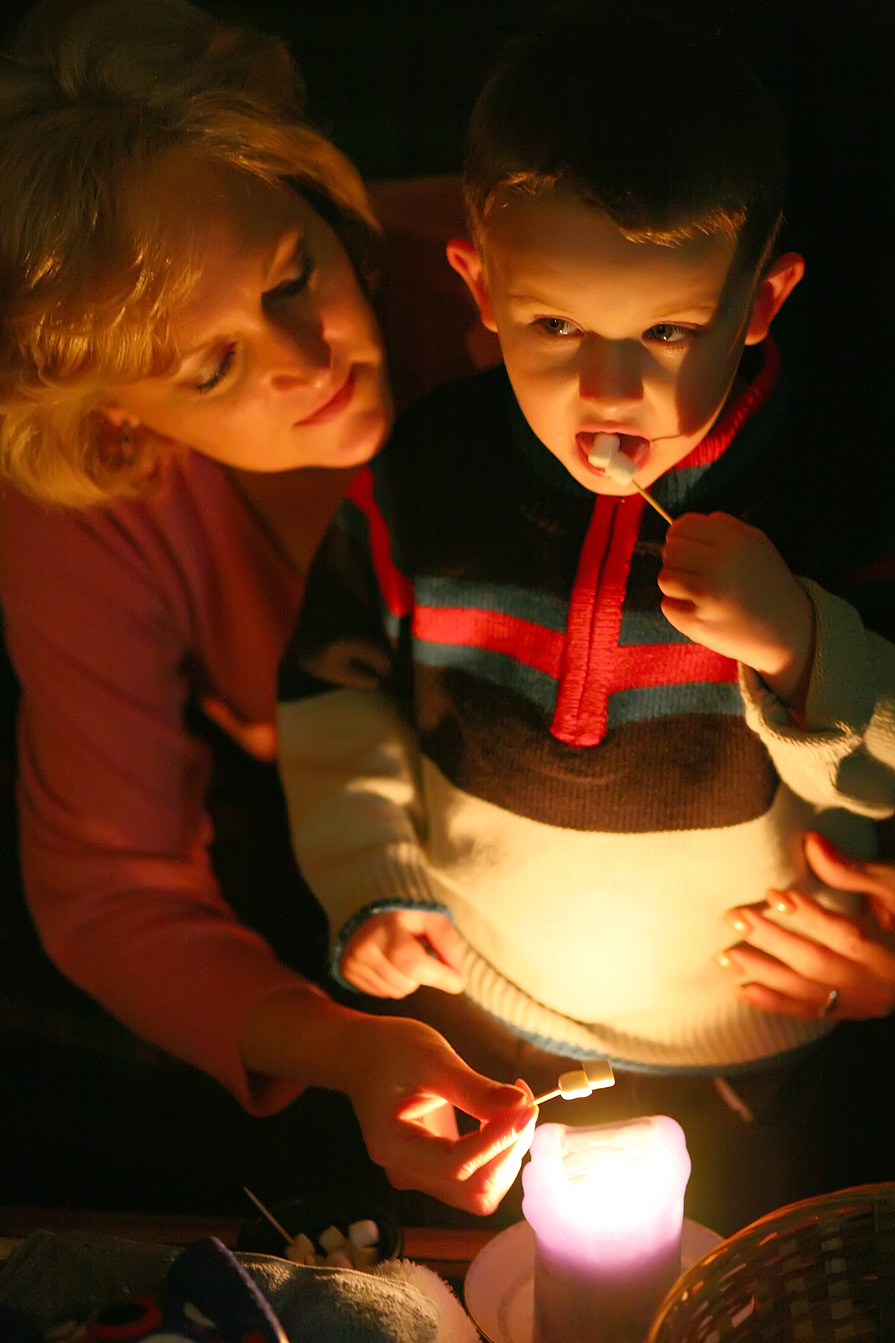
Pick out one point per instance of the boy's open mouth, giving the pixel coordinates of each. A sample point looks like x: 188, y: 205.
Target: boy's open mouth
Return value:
x: 630, y: 444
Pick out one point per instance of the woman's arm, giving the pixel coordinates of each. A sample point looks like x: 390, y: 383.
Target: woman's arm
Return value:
x: 103, y: 626
x: 114, y: 836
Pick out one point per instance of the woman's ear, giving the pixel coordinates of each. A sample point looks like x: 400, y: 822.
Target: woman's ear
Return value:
x: 774, y: 288
x: 465, y: 260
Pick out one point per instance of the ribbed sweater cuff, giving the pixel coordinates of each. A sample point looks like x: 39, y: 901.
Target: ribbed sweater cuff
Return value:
x: 395, y: 877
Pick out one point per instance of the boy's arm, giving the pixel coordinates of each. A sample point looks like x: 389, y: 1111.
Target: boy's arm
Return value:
x: 819, y: 687
x: 349, y: 762
x: 842, y: 752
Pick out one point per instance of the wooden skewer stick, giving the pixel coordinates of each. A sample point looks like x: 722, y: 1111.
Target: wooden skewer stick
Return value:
x: 650, y: 500
x: 269, y: 1215
x: 547, y: 1096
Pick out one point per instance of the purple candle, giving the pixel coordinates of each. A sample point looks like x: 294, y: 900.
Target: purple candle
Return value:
x: 606, y: 1205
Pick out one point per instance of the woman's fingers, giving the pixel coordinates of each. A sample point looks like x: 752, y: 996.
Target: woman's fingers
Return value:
x: 793, y: 971
x: 772, y: 986
x: 876, y: 880
x: 472, y: 1173
x: 773, y: 1000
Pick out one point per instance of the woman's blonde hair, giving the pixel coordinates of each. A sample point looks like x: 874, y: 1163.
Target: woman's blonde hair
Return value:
x: 93, y: 95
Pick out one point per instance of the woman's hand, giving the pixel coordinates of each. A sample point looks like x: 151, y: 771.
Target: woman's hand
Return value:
x: 796, y: 973
x: 727, y: 587
x: 404, y: 1081
x: 404, y: 1085
x: 391, y: 955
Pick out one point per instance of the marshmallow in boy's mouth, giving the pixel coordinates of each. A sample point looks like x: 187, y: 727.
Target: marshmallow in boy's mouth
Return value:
x: 605, y: 455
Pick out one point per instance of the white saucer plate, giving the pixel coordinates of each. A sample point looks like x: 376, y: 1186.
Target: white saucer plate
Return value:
x: 499, y: 1286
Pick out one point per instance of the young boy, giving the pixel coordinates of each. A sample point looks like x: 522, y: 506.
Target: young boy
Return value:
x: 570, y: 738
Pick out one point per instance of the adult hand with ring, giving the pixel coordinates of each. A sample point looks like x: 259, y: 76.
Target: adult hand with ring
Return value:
x: 836, y: 965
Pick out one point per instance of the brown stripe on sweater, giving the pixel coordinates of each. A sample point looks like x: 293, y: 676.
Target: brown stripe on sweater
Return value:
x: 693, y: 771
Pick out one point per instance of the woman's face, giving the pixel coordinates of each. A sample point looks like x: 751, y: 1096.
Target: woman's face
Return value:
x: 282, y: 360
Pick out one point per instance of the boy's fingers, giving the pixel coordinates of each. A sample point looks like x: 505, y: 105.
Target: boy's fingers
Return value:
x: 435, y: 974
x: 680, y: 587
x: 685, y: 556
x: 415, y: 964
x: 440, y: 966
x: 443, y: 940
x: 372, y: 971
x: 678, y: 613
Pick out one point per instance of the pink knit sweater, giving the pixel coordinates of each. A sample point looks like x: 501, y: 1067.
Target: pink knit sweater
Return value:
x: 115, y: 618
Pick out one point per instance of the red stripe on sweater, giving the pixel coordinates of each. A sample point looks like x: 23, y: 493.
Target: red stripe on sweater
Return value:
x: 668, y: 664
x: 530, y: 644
x: 396, y: 588
x: 593, y: 664
x: 594, y: 623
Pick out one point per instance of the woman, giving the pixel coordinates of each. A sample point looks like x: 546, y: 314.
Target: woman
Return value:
x: 183, y: 260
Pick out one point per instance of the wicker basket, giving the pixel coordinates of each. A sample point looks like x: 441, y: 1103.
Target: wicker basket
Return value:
x: 819, y: 1271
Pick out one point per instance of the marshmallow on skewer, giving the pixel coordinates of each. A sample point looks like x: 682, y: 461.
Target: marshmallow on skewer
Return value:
x: 599, y: 1073
x: 578, y: 1082
x: 606, y: 455
x: 573, y: 1084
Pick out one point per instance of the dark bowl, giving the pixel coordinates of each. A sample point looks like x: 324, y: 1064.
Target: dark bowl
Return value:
x: 313, y: 1215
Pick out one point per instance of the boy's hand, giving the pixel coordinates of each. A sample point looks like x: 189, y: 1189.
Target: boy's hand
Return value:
x: 391, y: 955
x: 727, y: 587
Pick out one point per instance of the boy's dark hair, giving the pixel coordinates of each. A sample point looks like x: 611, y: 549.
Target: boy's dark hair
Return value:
x: 661, y: 126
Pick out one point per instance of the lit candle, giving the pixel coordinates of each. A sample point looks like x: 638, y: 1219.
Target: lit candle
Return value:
x: 606, y: 1205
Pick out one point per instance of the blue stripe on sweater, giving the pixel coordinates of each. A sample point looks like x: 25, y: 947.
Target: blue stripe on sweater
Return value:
x: 536, y: 686
x: 666, y: 701
x: 539, y: 608
x: 647, y: 627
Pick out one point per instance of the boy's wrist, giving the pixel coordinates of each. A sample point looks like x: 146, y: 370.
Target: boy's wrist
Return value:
x: 790, y: 681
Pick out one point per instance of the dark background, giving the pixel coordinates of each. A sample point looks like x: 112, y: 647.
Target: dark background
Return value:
x: 88, y: 1116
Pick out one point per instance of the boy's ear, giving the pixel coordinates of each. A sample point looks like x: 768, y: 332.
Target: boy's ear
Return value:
x: 465, y: 260
x: 774, y: 288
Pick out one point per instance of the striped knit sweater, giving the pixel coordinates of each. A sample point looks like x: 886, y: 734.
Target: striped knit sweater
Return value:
x: 521, y: 740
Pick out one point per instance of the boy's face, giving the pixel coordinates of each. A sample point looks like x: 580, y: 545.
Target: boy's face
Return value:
x: 603, y: 335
